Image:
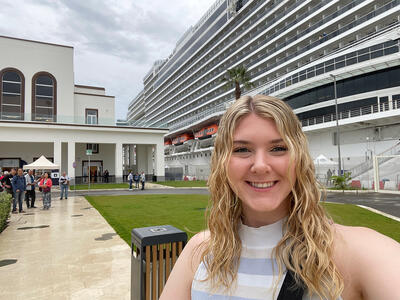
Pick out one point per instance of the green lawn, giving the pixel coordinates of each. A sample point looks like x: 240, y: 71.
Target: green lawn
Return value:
x: 195, y: 183
x: 97, y: 186
x: 187, y: 212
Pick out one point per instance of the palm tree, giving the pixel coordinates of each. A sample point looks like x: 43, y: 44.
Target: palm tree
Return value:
x: 236, y: 78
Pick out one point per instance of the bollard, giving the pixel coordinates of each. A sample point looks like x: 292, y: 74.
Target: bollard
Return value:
x: 154, y: 251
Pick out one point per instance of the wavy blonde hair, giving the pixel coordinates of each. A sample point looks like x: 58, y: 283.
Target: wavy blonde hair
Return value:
x: 307, y: 244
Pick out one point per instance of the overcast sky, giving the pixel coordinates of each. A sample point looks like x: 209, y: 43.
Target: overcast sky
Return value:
x: 115, y: 41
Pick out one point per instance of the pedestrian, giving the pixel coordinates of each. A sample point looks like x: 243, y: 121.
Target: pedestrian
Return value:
x: 45, y: 184
x: 6, y: 181
x: 30, y: 194
x: 64, y: 184
x: 130, y: 179
x: 106, y: 175
x: 19, y: 185
x: 142, y: 179
x: 268, y: 235
x: 136, y: 178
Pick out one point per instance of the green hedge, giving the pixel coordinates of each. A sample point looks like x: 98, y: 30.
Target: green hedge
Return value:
x: 5, y: 208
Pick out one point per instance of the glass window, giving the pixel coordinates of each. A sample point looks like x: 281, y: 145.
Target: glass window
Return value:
x: 91, y: 116
x: 11, y: 98
x: 44, y: 98
x: 93, y: 147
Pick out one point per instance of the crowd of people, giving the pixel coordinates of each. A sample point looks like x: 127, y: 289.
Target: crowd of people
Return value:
x: 136, y: 178
x: 22, y: 186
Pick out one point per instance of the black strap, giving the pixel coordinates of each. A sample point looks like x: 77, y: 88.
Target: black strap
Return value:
x: 290, y: 290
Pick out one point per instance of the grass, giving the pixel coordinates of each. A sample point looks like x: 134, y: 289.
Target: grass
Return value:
x: 97, y: 186
x: 195, y: 183
x: 186, y: 212
x: 106, y: 186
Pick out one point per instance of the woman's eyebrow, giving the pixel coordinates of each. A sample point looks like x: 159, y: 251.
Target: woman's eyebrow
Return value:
x: 275, y: 141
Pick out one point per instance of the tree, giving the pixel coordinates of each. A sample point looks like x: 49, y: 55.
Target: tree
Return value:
x: 342, y: 181
x: 237, y: 77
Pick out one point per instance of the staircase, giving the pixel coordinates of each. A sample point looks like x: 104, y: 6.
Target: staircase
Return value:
x: 368, y: 165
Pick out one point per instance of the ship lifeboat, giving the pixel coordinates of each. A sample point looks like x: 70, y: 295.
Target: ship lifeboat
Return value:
x: 179, y: 140
x: 206, y: 132
x: 167, y: 143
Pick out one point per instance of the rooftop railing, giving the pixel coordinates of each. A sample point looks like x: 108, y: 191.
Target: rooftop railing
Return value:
x: 72, y: 120
x: 351, y: 113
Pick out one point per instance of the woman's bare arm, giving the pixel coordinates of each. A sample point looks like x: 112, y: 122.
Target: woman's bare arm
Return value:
x: 370, y: 262
x: 178, y: 286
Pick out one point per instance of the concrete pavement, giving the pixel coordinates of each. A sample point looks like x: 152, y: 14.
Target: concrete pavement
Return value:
x: 67, y: 252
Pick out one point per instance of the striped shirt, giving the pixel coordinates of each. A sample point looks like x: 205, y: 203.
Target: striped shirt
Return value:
x: 258, y: 270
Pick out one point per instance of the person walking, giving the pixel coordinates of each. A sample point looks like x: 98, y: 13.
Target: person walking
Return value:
x: 142, y: 179
x: 19, y: 185
x: 136, y: 178
x: 64, y: 184
x: 46, y: 185
x: 130, y: 179
x: 6, y: 181
x: 30, y: 193
x: 106, y: 175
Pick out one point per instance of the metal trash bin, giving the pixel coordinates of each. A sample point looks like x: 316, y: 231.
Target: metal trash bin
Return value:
x: 154, y: 251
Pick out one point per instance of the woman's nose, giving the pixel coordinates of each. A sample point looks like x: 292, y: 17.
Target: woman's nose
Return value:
x: 261, y: 163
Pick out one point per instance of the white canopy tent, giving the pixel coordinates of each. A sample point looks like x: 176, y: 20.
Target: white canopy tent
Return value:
x: 322, y: 160
x: 42, y: 163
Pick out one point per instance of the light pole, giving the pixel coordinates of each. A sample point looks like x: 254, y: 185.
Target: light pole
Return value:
x: 337, y: 126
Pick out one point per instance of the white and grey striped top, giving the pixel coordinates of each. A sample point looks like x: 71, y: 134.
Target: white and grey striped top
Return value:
x: 257, y: 273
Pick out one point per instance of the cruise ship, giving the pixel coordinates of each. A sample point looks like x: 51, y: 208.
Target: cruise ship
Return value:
x: 318, y: 56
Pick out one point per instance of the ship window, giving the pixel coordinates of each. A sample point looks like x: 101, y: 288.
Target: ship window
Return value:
x: 377, y: 53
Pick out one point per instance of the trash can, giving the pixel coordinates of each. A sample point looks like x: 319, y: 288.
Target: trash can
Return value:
x: 154, y: 251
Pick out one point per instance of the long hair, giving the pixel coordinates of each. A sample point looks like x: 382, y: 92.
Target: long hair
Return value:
x: 307, y: 244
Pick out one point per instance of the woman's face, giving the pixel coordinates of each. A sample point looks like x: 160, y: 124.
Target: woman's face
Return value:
x: 46, y: 175
x: 258, y: 171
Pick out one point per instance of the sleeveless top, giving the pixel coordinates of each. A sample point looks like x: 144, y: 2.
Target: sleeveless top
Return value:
x: 258, y: 270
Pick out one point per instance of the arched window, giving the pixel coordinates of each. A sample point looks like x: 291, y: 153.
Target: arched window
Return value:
x: 12, y: 101
x: 44, y: 97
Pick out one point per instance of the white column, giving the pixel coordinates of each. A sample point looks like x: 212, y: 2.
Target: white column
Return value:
x: 118, y: 162
x: 71, y: 160
x: 57, y: 154
x: 159, y: 163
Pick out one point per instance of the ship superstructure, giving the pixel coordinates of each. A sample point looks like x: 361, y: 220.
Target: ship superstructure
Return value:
x: 294, y: 50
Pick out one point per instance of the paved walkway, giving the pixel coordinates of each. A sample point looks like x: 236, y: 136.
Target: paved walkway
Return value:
x: 67, y: 252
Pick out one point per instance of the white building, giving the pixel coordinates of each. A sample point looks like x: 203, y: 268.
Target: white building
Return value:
x: 43, y: 112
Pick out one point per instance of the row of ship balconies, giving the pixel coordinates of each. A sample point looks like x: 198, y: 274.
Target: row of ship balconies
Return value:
x: 299, y: 26
x: 204, y: 88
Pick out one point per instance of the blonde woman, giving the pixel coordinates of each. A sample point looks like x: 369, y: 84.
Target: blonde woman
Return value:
x: 268, y: 236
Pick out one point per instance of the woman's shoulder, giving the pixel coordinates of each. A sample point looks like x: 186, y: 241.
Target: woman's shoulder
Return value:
x: 179, y: 282
x: 368, y: 261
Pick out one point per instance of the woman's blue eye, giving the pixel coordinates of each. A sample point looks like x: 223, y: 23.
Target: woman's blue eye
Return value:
x: 240, y: 150
x: 279, y: 149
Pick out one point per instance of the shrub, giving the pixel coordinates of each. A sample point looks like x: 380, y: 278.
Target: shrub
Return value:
x: 5, y: 208
x: 342, y: 181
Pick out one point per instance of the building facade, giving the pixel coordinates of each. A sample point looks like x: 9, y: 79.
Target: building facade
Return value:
x: 294, y: 50
x: 43, y: 112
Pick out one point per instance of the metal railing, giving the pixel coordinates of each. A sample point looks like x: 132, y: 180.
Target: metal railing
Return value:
x: 280, y: 84
x: 72, y: 120
x: 368, y: 165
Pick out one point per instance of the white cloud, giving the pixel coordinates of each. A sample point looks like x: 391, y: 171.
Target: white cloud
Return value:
x: 115, y: 41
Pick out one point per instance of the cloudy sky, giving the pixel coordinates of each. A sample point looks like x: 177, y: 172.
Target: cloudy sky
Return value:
x: 119, y: 38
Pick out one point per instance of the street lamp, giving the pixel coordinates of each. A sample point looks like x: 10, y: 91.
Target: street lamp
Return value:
x: 337, y: 126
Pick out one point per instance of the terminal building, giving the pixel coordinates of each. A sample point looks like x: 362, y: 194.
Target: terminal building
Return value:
x: 43, y: 112
x: 293, y: 50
